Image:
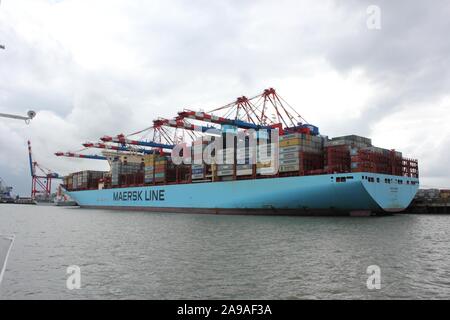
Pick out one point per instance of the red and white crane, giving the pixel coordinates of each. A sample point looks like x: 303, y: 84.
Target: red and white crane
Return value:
x: 41, y: 178
x: 81, y: 156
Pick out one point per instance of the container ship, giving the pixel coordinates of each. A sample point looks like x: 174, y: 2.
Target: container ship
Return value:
x: 252, y: 156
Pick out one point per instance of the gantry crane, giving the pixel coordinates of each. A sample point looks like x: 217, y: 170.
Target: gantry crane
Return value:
x: 81, y: 156
x: 41, y: 182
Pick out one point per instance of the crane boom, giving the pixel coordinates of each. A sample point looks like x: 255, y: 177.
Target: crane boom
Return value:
x: 178, y: 123
x: 81, y: 156
x: 123, y: 140
x: 203, y: 116
x: 30, y: 158
x: 116, y: 148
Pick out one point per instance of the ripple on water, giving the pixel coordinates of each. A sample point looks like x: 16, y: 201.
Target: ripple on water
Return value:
x: 134, y: 255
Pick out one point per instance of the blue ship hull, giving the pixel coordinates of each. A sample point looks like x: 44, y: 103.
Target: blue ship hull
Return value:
x: 300, y: 195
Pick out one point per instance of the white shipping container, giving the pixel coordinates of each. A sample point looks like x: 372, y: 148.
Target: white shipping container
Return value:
x: 244, y: 172
x: 267, y: 171
x: 289, y: 155
x: 290, y: 161
x: 243, y: 166
x: 289, y: 149
x: 225, y: 167
x: 289, y: 168
x: 221, y: 173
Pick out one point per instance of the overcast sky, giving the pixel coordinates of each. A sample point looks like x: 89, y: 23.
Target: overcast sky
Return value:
x: 100, y: 67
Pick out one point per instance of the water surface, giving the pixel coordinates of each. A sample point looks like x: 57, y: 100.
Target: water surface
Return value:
x: 141, y: 255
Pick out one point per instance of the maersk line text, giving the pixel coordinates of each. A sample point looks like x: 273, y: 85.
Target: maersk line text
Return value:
x: 141, y: 195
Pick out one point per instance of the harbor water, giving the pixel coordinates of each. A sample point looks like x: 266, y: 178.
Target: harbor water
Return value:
x: 141, y: 255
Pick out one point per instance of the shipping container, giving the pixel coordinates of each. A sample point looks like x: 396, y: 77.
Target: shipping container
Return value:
x: 267, y: 170
x: 244, y: 166
x: 289, y: 155
x: 244, y: 172
x: 225, y: 167
x: 289, y: 168
x: 289, y: 149
x: 221, y: 173
x: 198, y: 176
x: 289, y: 161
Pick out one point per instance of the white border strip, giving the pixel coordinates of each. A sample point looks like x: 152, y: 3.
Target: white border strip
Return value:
x: 2, y: 272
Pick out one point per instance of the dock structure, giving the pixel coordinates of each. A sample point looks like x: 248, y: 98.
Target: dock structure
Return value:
x: 431, y: 201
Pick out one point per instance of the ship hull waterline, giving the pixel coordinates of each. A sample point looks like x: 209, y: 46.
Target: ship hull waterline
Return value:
x: 299, y: 195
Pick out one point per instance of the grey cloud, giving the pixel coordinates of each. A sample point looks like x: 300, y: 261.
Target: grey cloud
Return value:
x: 409, y: 55
x: 203, y: 53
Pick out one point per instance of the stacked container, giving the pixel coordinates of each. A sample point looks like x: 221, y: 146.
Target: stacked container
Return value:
x: 68, y: 182
x: 160, y: 168
x: 74, y: 180
x: 350, y: 140
x: 265, y: 162
x: 377, y: 160
x: 226, y: 158
x: 198, y: 171
x: 337, y: 158
x: 264, y: 156
x: 197, y: 151
x: 86, y: 179
x: 243, y: 156
x: 121, y: 171
x: 197, y: 165
x: 293, y: 145
x: 149, y: 168
x: 225, y: 170
x: 115, y: 171
x: 289, y: 153
x: 244, y: 169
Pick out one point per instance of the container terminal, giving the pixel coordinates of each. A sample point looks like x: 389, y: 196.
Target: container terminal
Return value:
x: 274, y: 163
x: 431, y: 201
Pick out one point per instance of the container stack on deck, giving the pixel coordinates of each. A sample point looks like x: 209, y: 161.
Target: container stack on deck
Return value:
x: 243, y: 166
x: 198, y: 167
x: 127, y: 171
x: 83, y: 180
x: 225, y: 170
x: 149, y: 168
x: 301, y: 152
x: 160, y: 169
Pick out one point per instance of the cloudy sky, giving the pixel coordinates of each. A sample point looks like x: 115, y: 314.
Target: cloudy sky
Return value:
x: 100, y: 67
